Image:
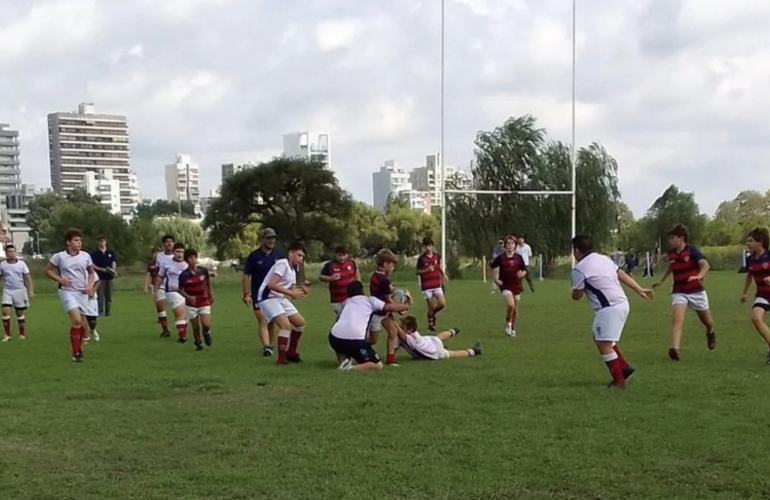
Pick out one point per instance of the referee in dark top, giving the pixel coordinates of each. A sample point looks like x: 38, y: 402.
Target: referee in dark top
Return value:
x: 104, y: 265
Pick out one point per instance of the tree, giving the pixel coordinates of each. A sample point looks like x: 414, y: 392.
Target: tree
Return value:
x: 737, y: 217
x: 676, y: 207
x: 183, y: 230
x: 410, y: 226
x: 164, y: 208
x: 516, y: 157
x: 94, y: 220
x: 300, y: 199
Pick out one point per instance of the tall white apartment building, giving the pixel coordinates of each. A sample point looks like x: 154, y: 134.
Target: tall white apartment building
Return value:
x: 389, y: 180
x: 315, y: 146
x: 106, y: 187
x: 428, y: 178
x: 10, y: 173
x: 183, y: 180
x: 85, y: 141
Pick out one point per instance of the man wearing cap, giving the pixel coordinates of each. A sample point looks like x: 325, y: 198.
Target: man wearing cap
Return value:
x: 257, y: 266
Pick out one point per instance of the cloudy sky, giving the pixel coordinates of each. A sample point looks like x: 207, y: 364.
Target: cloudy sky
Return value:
x: 677, y: 90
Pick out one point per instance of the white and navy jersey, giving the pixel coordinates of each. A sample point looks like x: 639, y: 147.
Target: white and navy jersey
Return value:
x: 288, y: 276
x: 74, y: 268
x: 169, y: 273
x: 426, y: 347
x: 356, y: 316
x: 13, y: 274
x: 164, y: 259
x: 598, y: 276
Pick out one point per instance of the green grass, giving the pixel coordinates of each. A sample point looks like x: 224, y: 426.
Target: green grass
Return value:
x: 145, y: 418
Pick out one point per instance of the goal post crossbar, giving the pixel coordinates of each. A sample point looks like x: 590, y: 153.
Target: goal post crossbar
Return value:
x: 483, y: 191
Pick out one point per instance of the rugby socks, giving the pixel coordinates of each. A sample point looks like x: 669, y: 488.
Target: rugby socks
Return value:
x: 431, y: 321
x: 7, y: 325
x: 284, y: 337
x: 22, y: 321
x: 294, y: 341
x: 613, y: 365
x: 181, y: 328
x: 163, y: 320
x: 91, y: 322
x: 621, y: 359
x: 76, y: 340
x: 390, y: 358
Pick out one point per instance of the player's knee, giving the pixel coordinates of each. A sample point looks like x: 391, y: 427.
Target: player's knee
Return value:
x: 378, y: 365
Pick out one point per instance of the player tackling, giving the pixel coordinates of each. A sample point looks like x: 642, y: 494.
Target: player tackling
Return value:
x: 598, y: 278
x: 17, y: 290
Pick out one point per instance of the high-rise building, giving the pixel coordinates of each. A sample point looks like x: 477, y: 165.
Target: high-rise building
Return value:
x: 10, y: 175
x: 106, y: 187
x: 314, y: 146
x: 183, y: 180
x: 390, y: 179
x: 85, y: 141
x: 229, y: 169
x: 428, y: 178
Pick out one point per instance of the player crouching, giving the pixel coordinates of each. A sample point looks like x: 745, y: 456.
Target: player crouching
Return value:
x: 274, y: 294
x: 348, y: 337
x: 598, y: 278
x: 430, y: 347
x: 195, y: 287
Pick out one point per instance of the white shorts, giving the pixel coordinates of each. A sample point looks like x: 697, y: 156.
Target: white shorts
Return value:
x: 433, y: 292
x: 609, y: 322
x: 194, y: 312
x: 376, y: 324
x: 441, y: 351
x: 71, y: 299
x: 337, y: 308
x: 508, y: 293
x: 92, y: 305
x: 174, y: 299
x: 16, y: 298
x: 272, y: 308
x: 696, y: 301
x: 761, y: 303
x: 161, y: 295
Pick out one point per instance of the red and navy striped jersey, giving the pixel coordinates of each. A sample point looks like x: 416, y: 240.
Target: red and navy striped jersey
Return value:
x: 509, y: 270
x: 338, y: 290
x: 431, y: 279
x: 153, y: 269
x: 379, y: 286
x: 196, y: 285
x: 759, y: 268
x: 685, y: 265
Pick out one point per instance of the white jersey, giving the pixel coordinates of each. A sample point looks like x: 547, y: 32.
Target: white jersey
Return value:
x: 525, y: 251
x: 13, y: 274
x: 74, y: 268
x: 288, y: 276
x: 164, y: 259
x: 598, y: 276
x: 353, y: 323
x: 427, y: 346
x: 169, y: 273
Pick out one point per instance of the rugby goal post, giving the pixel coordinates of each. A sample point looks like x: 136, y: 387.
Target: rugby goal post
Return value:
x: 573, y: 162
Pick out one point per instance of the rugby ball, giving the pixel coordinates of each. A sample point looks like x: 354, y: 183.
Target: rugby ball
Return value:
x: 398, y: 296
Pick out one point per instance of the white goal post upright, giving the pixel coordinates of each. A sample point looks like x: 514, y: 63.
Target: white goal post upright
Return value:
x: 573, y: 162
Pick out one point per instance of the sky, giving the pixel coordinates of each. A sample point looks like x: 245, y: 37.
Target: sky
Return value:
x: 676, y: 90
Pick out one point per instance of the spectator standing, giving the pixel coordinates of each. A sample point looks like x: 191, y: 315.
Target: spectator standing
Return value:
x: 104, y: 265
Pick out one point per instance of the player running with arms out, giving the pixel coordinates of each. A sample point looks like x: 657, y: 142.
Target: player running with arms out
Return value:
x: 168, y: 280
x: 432, y: 279
x: 339, y: 273
x: 348, y: 335
x: 598, y: 278
x: 73, y: 271
x: 430, y: 347
x: 17, y: 290
x: 159, y: 293
x: 196, y: 287
x: 258, y: 264
x: 689, y: 266
x: 758, y: 266
x: 381, y: 288
x: 507, y: 271
x: 274, y: 302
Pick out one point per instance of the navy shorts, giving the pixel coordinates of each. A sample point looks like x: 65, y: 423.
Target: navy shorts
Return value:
x: 359, y: 350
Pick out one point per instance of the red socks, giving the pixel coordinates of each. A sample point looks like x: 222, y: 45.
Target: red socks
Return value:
x: 390, y: 359
x: 7, y: 326
x: 294, y: 343
x: 614, y: 366
x: 621, y: 359
x: 163, y: 320
x: 283, y: 346
x: 181, y: 328
x: 76, y: 340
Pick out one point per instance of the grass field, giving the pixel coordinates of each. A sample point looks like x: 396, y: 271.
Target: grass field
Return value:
x: 145, y: 418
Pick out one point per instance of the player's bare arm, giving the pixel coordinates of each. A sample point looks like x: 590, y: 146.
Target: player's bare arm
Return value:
x: 496, y: 276
x: 28, y: 284
x: 50, y: 273
x: 746, y: 286
x: 577, y: 294
x: 210, y: 285
x: 245, y: 280
x: 631, y: 283
x: 293, y: 293
x: 328, y: 278
x: 703, y: 268
x: 662, y: 278
x: 393, y: 307
x: 90, y: 281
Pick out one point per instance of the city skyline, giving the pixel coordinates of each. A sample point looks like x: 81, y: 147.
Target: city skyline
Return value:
x: 651, y: 86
